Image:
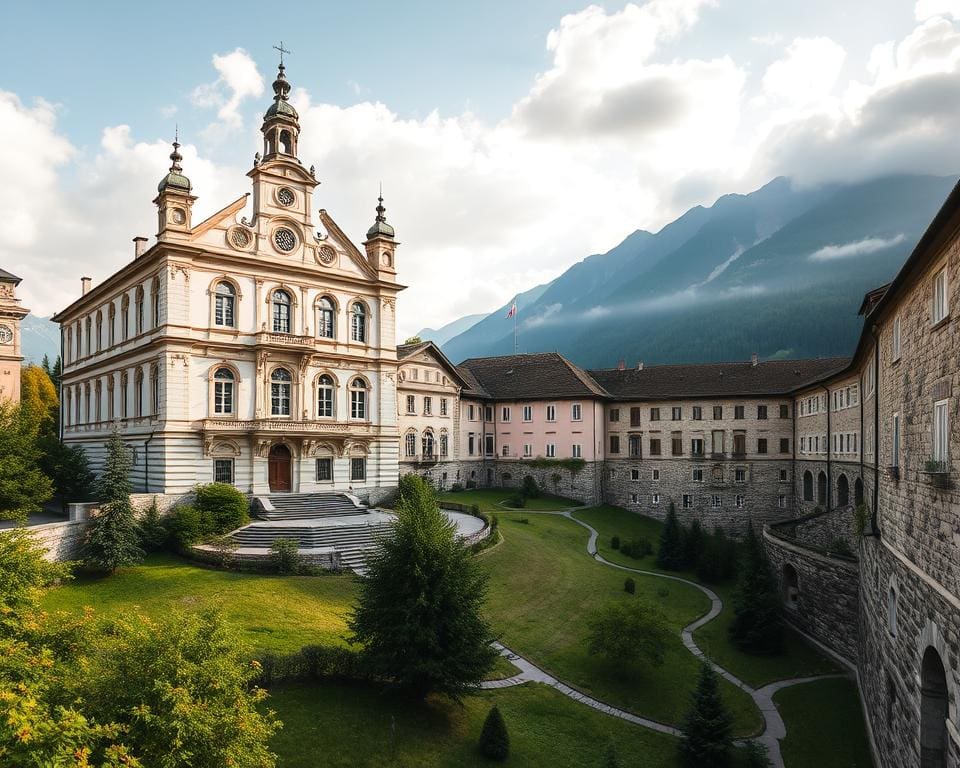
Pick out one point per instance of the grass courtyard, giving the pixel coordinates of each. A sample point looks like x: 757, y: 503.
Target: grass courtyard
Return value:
x: 542, y: 586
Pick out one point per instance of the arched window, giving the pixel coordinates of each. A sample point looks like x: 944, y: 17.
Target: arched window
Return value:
x: 822, y: 488
x: 286, y: 143
x: 111, y: 324
x: 224, y: 392
x: 224, y: 305
x: 138, y: 393
x: 358, y: 322
x: 444, y: 444
x: 124, y: 395
x: 791, y: 586
x: 125, y: 317
x: 934, y: 710
x: 281, y: 383
x: 89, y: 334
x: 98, y: 400
x: 326, y: 323
x: 69, y: 342
x: 428, y: 444
x: 358, y: 399
x: 808, y: 486
x: 111, y: 408
x: 79, y: 349
x: 140, y: 310
x: 281, y: 312
x: 86, y: 403
x: 892, y: 612
x: 410, y: 445
x: 858, y: 492
x: 155, y: 388
x: 155, y: 302
x: 325, y: 390
x: 99, y: 330
x: 67, y: 406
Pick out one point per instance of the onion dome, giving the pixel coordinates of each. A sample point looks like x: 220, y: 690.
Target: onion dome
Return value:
x: 380, y: 226
x: 175, y: 180
x: 281, y: 94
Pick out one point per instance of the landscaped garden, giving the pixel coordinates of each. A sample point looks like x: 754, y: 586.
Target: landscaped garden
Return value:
x: 493, y: 500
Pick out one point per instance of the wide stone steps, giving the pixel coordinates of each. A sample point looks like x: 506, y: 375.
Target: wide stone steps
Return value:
x: 306, y: 506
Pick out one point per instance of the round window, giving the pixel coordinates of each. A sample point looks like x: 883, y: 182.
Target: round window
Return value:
x: 240, y: 238
x: 6, y: 335
x: 327, y: 254
x: 285, y: 196
x: 178, y: 216
x: 284, y: 239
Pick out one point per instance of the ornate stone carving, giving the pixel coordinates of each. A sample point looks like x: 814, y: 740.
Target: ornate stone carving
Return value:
x: 390, y: 302
x: 183, y: 269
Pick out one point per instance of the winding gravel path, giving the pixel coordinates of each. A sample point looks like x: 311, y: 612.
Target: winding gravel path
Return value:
x: 774, y: 728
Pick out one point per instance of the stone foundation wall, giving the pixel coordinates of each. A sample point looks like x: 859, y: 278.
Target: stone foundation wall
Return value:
x: 822, y: 529
x: 444, y: 474
x: 324, y: 558
x: 583, y: 485
x: 826, y: 602
x: 61, y: 540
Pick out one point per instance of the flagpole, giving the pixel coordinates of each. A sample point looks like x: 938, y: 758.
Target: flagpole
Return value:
x: 516, y: 331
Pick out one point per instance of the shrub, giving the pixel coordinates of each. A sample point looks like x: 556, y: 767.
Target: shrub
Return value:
x: 530, y: 488
x: 633, y: 631
x: 636, y: 548
x: 456, y: 488
x: 222, y: 507
x: 471, y: 484
x: 311, y: 663
x: 494, y: 740
x: 517, y: 502
x: 615, y: 542
x: 153, y: 534
x: 184, y: 526
x: 755, y: 755
x: 629, y: 586
x: 224, y: 548
x: 285, y: 555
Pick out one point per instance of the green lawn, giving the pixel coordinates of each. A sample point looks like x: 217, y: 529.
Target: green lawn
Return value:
x: 489, y: 500
x: 798, y: 659
x: 353, y: 726
x: 825, y: 725
x: 276, y: 613
x: 542, y: 587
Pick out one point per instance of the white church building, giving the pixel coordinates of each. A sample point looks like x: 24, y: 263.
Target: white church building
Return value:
x: 258, y: 352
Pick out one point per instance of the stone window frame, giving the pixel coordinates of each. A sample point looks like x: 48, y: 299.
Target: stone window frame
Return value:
x: 576, y: 412
x: 893, y: 613
x: 939, y: 296
x: 292, y: 306
x: 360, y: 321
x: 506, y: 413
x: 527, y: 413
x: 576, y: 451
x: 315, y: 390
x: 217, y: 462
x: 941, y: 446
x: 290, y: 393
x: 551, y: 413
x: 687, y: 501
x: 655, y: 476
x: 334, y: 309
x: 551, y: 450
x: 895, y: 439
x: 211, y: 390
x: 655, y: 499
x: 740, y: 500
x: 356, y: 385
x: 237, y: 296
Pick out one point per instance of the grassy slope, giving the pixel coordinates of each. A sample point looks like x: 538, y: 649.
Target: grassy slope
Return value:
x: 798, y: 658
x: 824, y: 725
x: 276, y: 613
x: 489, y: 500
x: 343, y: 726
x: 543, y: 585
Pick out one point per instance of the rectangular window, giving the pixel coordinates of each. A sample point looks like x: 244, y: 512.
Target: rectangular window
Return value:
x: 895, y: 442
x: 654, y: 446
x: 427, y: 406
x: 655, y: 475
x: 504, y: 450
x: 488, y: 444
x: 576, y: 412
x: 528, y: 413
x: 676, y: 413
x: 551, y: 450
x: 223, y: 471
x: 717, y: 412
x: 784, y: 411
x: 941, y: 432
x: 895, y: 343
x: 633, y: 441
x: 940, y: 306
x: 687, y: 501
x: 470, y: 415
x: 738, y: 411
x: 614, y: 443
x: 471, y: 444
x: 698, y: 475
x: 614, y: 414
x: 781, y: 501
x: 358, y: 404
x: 443, y: 406
x: 783, y: 475
x: 740, y: 475
x: 697, y: 413
x: 635, y: 474
x: 739, y: 501
x: 551, y: 413
x: 715, y: 501
x: 505, y: 413
x: 279, y: 399
x: 654, y: 414
x: 358, y: 469
x: 576, y: 451
x: 488, y: 413
x: 696, y: 446
x: 676, y: 444
x: 716, y: 442
x: 527, y: 450
x: 634, y: 498
x: 411, y: 404
x: 761, y: 445
x: 325, y: 470
x: 655, y: 499
x: 784, y: 445
x: 739, y: 445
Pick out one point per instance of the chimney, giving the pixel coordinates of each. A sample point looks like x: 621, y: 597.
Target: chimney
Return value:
x: 639, y: 365
x: 754, y: 359
x: 621, y: 365
x: 139, y: 246
x: 85, y: 285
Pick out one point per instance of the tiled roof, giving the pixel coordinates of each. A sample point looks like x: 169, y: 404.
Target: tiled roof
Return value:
x: 405, y: 351
x: 473, y: 388
x: 8, y: 277
x: 663, y: 382
x: 534, y: 376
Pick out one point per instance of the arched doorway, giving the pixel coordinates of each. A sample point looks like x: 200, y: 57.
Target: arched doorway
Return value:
x: 822, y: 488
x: 790, y: 586
x: 858, y: 492
x: 843, y: 491
x: 279, y: 464
x: 934, y: 710
x: 808, y: 486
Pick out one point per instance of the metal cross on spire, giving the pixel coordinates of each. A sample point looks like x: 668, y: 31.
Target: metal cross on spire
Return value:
x: 282, y: 51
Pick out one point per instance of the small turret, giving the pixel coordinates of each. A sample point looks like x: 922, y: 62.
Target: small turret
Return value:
x: 174, y: 200
x: 381, y: 245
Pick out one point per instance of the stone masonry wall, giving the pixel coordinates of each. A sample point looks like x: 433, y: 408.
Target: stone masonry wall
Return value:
x: 583, y: 485
x: 821, y: 530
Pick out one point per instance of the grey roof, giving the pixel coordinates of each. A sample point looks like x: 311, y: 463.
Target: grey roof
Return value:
x: 7, y: 277
x: 408, y: 350
x: 663, y: 382
x: 531, y: 377
x: 174, y: 180
x: 281, y: 107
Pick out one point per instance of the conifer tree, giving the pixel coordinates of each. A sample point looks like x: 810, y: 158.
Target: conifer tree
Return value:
x: 707, y: 726
x: 693, y: 543
x: 756, y: 626
x: 113, y: 540
x: 670, y: 554
x: 494, y: 739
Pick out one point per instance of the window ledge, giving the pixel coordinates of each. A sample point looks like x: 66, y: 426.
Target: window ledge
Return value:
x: 941, y: 322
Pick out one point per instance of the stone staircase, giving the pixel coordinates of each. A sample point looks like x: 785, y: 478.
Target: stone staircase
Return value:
x: 351, y: 541
x: 305, y: 506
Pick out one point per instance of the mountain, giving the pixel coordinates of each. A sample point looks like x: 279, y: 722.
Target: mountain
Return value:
x: 780, y: 271
x: 444, y: 333
x: 39, y: 336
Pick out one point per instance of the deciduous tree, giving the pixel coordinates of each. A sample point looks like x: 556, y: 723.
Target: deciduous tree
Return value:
x: 627, y: 631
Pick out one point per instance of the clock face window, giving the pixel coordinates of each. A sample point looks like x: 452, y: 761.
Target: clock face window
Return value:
x: 6, y: 334
x: 285, y: 240
x: 179, y: 216
x: 285, y: 196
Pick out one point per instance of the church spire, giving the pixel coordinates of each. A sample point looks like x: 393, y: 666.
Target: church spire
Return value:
x: 281, y: 126
x: 380, y: 226
x: 175, y: 178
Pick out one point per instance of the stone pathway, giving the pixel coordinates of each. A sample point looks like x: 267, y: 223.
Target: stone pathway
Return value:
x: 774, y: 728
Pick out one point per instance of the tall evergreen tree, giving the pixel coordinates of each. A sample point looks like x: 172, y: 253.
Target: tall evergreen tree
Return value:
x: 756, y: 626
x: 693, y: 544
x: 707, y: 726
x: 418, y: 614
x: 113, y: 539
x: 670, y: 554
x: 23, y: 486
x: 494, y: 739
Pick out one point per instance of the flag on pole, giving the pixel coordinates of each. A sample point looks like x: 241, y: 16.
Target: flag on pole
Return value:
x: 513, y: 310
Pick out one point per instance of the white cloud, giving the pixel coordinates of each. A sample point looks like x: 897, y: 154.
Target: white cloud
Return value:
x: 856, y: 248
x: 807, y: 73
x: 924, y: 9
x: 239, y: 80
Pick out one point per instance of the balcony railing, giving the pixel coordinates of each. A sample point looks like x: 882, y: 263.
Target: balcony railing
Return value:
x: 287, y: 425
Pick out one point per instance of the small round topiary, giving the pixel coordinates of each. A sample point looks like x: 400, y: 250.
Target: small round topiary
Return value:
x: 494, y: 740
x: 615, y: 542
x: 629, y: 586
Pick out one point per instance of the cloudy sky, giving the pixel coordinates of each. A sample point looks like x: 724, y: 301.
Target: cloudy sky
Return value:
x: 512, y: 139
